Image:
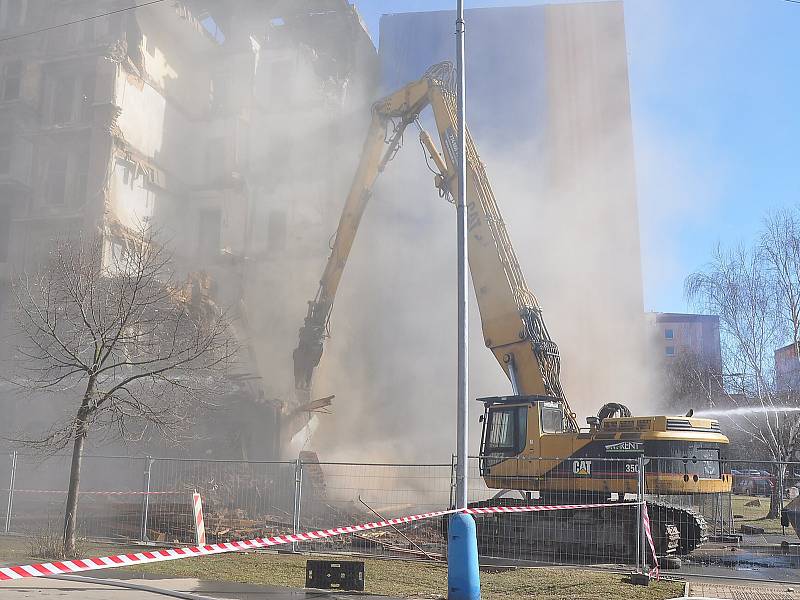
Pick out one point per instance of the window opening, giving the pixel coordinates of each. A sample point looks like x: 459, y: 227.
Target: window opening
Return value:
x: 5, y: 231
x: 276, y: 230
x: 209, y: 233
x: 552, y: 419
x: 5, y: 153
x: 57, y: 178
x: 12, y: 80
x: 507, y: 431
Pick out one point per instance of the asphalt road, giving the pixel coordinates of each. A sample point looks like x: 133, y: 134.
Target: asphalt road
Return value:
x: 188, y: 589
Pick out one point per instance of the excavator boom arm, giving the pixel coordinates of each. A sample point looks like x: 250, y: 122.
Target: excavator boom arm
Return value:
x: 511, y: 317
x: 395, y: 111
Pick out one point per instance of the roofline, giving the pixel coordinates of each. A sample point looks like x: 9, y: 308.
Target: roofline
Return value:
x: 683, y: 317
x: 521, y: 399
x: 786, y: 347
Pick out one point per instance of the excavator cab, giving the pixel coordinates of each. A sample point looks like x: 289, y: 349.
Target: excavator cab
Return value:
x: 505, y: 427
x: 514, y: 424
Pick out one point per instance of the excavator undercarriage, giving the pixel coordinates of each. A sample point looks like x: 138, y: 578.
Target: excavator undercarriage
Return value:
x: 603, y: 534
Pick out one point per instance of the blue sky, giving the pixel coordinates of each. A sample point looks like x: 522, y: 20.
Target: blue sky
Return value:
x: 715, y: 98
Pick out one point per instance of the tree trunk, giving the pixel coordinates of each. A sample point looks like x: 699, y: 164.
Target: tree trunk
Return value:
x: 775, y: 499
x: 774, y: 503
x: 71, y: 513
x: 81, y: 429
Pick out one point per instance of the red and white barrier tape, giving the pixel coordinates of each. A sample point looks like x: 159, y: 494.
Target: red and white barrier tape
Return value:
x: 122, y: 560
x: 513, y: 509
x: 138, y: 558
x: 96, y: 493
x: 649, y: 535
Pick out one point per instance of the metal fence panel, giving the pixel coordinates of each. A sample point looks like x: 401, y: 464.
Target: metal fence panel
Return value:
x: 143, y: 499
x: 745, y: 537
x: 108, y: 505
x: 337, y: 494
x: 241, y: 500
x: 603, y: 535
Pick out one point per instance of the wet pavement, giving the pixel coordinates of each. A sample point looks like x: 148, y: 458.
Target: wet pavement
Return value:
x: 747, y: 561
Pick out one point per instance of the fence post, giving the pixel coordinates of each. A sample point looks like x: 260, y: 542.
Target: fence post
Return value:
x: 731, y: 524
x: 298, y: 491
x: 781, y: 467
x: 148, y: 463
x: 728, y: 496
x: 639, y: 498
x: 640, y: 543
x: 452, y: 480
x: 10, y: 504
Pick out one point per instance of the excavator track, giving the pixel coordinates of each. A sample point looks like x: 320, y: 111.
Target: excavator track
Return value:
x: 691, y: 525
x: 606, y: 533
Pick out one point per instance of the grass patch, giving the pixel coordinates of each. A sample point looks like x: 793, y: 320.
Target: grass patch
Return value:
x: 404, y: 579
x: 408, y: 579
x: 756, y: 515
x: 46, y: 545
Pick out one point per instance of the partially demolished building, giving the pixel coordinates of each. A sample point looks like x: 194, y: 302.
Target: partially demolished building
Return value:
x: 213, y: 120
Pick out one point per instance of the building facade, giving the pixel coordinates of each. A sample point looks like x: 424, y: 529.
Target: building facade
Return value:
x: 675, y: 334
x: 787, y: 369
x: 210, y: 120
x: 686, y: 360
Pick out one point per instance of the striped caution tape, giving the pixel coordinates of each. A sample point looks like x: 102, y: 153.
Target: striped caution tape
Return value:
x: 138, y: 558
x: 98, y: 493
x: 534, y: 508
x: 649, y: 535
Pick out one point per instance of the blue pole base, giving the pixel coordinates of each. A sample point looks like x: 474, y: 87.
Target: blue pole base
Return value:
x: 463, y: 576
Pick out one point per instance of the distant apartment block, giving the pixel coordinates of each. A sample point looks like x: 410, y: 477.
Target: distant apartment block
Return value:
x: 685, y: 360
x: 787, y: 369
x: 675, y: 334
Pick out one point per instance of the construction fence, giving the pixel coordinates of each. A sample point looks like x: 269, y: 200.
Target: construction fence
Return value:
x: 149, y: 500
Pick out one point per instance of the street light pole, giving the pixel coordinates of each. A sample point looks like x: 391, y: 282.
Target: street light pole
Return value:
x: 463, y: 316
x: 463, y: 578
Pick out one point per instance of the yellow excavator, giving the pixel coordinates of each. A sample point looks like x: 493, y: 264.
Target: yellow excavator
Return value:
x: 531, y: 442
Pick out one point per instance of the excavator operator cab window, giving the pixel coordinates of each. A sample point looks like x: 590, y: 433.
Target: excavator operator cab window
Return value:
x: 506, y: 430
x: 552, y: 417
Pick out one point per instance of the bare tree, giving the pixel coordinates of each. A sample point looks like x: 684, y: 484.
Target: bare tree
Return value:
x: 105, y: 325
x: 755, y: 293
x: 689, y: 380
x: 780, y: 246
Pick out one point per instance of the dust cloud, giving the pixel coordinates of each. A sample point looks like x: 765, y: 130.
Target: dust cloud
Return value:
x: 567, y: 195
x: 562, y: 170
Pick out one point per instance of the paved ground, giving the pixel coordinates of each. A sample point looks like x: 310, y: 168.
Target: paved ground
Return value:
x: 736, y: 592
x: 764, y: 563
x: 188, y: 589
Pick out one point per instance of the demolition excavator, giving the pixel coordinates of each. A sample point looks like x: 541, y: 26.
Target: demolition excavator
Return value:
x: 531, y: 442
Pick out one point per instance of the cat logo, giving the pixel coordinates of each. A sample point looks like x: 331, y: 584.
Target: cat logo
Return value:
x: 582, y: 467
